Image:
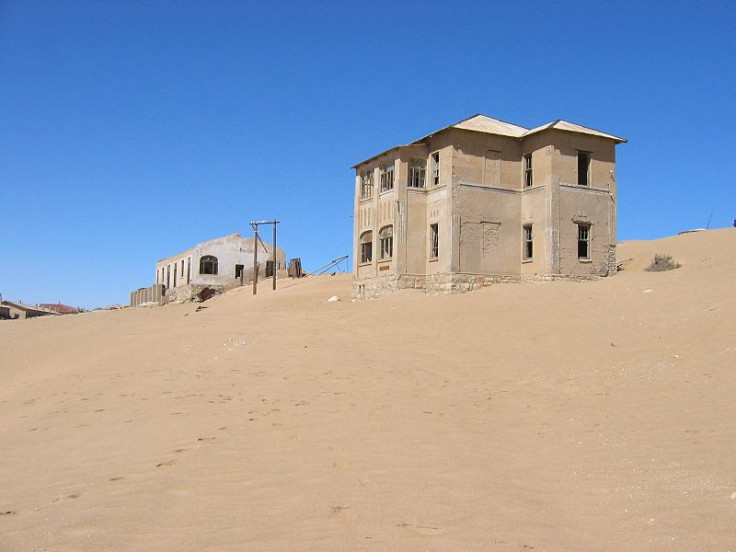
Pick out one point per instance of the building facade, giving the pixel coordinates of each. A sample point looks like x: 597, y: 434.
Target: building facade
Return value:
x: 483, y: 201
x: 219, y: 263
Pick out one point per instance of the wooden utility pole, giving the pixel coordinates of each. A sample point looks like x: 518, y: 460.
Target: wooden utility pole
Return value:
x: 273, y: 255
x: 255, y: 258
x: 255, y: 224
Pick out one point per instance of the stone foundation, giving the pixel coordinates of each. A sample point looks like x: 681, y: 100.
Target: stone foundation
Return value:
x: 456, y: 282
x: 188, y: 293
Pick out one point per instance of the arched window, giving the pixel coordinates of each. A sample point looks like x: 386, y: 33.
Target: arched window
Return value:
x: 386, y: 242
x: 208, y: 265
x: 366, y: 247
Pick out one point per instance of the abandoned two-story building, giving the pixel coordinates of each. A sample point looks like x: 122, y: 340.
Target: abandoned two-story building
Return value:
x: 482, y: 201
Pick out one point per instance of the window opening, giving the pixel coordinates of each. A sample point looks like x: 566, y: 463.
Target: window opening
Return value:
x: 583, y: 168
x: 366, y: 184
x: 528, y: 242
x: 528, y: 173
x: 386, y: 241
x: 417, y: 173
x: 434, y: 241
x: 208, y: 265
x: 436, y: 168
x: 366, y: 247
x: 387, y: 177
x: 584, y: 241
x: 238, y: 271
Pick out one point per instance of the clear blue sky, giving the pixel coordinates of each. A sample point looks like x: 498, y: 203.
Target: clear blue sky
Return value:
x: 130, y: 131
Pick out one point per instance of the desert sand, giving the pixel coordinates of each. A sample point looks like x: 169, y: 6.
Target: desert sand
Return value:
x: 562, y: 416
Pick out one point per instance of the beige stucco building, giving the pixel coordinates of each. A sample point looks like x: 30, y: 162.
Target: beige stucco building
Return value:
x: 483, y: 201
x: 222, y: 262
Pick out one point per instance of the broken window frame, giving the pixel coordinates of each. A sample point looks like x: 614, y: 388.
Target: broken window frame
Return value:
x: 434, y: 241
x: 584, y: 162
x: 387, y: 177
x: 366, y: 184
x: 417, y: 173
x: 366, y: 247
x: 435, y: 168
x: 386, y: 243
x: 528, y: 171
x: 208, y: 265
x: 528, y: 245
x: 584, y: 241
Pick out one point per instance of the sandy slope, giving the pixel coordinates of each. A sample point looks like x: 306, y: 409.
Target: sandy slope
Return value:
x: 596, y: 416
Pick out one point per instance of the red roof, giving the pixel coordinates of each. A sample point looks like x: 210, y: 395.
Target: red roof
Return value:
x: 58, y: 307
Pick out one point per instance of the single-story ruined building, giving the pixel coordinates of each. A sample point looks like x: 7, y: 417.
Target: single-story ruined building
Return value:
x: 13, y: 310
x: 483, y: 201
x: 58, y: 308
x: 220, y: 263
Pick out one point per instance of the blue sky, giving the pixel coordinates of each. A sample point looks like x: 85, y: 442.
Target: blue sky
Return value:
x: 130, y: 131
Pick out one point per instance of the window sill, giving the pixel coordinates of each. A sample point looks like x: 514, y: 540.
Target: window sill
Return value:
x: 416, y: 189
x: 527, y: 261
x: 586, y: 261
x: 384, y: 192
x: 369, y: 263
x: 365, y: 199
x: 433, y: 259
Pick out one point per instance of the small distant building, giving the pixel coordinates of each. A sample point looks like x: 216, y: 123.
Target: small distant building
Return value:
x: 58, y: 308
x: 484, y: 201
x: 219, y: 264
x: 12, y: 310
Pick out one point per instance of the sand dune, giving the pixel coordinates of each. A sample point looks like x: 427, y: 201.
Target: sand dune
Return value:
x: 561, y: 416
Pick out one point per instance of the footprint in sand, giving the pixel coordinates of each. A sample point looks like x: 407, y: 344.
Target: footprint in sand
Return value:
x: 73, y: 495
x: 166, y: 463
x: 9, y: 513
x: 420, y: 529
x: 337, y: 510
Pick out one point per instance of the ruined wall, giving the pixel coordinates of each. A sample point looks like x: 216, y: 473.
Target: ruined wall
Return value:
x: 489, y: 230
x: 415, y: 250
x: 486, y: 160
x: 438, y: 212
x: 230, y: 251
x: 150, y: 295
x: 580, y: 205
x: 535, y: 204
x: 594, y: 204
